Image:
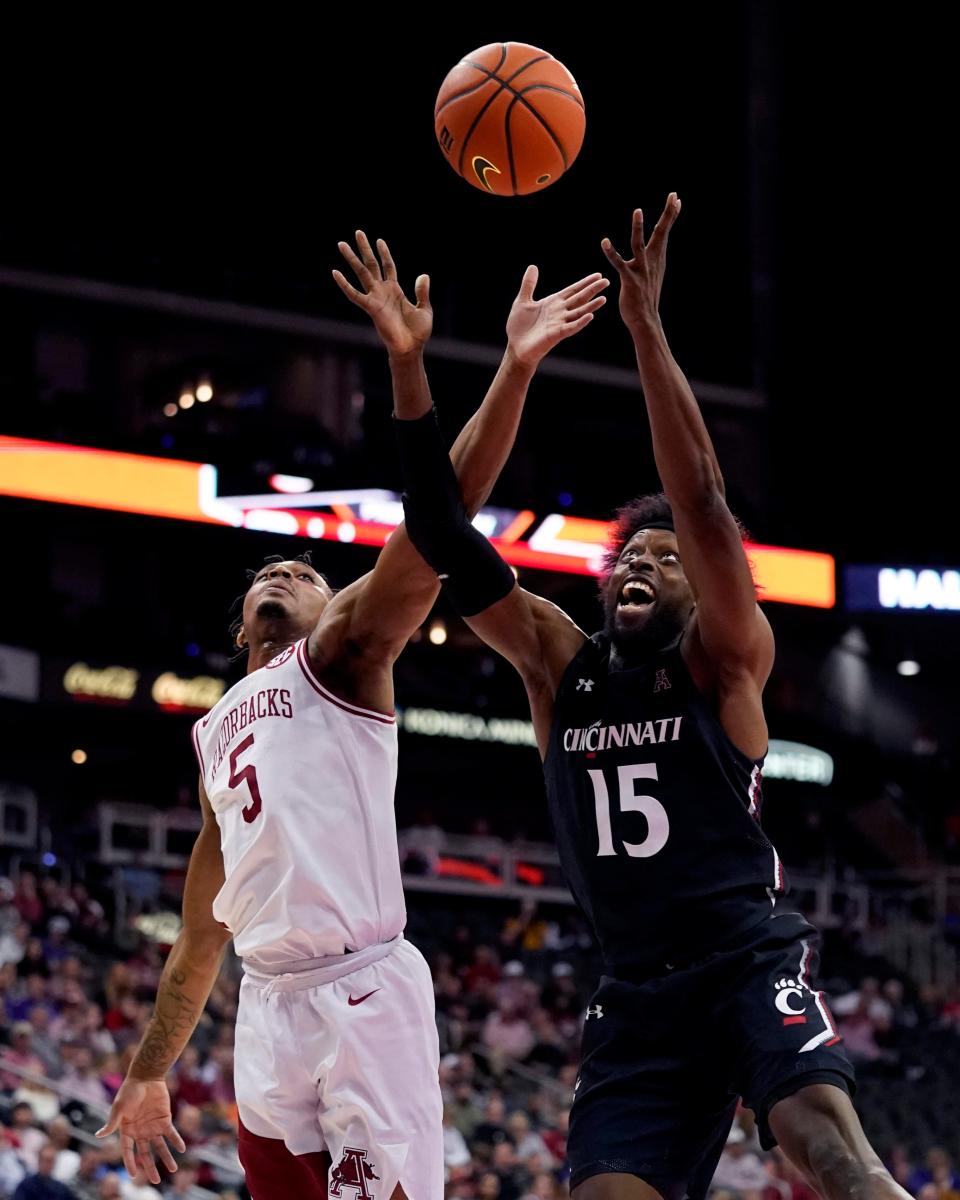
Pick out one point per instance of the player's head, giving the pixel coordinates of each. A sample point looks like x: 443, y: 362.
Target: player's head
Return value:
x: 646, y: 598
x: 283, y: 602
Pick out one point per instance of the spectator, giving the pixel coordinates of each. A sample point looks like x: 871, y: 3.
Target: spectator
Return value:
x: 455, y: 1150
x: 938, y: 1171
x: 13, y: 945
x: 484, y: 968
x: 26, y: 1138
x: 507, y: 1033
x: 12, y: 1167
x: 492, y: 1129
x: 513, y: 1175
x: 26, y: 995
x: 526, y: 1142
x: 465, y: 1113
x: 82, y: 1082
x: 489, y: 1187
x: 181, y: 1183
x: 515, y: 989
x: 42, y: 1044
x: 20, y: 1053
x: 42, y: 1185
x: 739, y: 1169
x: 27, y: 901
x: 86, y: 1182
x: 60, y: 1132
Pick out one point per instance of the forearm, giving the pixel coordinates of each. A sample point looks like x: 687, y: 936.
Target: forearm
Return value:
x: 684, y: 454
x: 411, y: 391
x: 185, y: 986
x: 483, y: 447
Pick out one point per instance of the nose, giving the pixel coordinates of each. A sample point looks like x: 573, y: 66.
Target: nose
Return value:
x: 282, y: 572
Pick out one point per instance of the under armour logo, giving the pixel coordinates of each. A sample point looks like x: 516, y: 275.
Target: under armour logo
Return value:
x: 353, y: 1171
x: 663, y: 683
x: 595, y: 1011
x: 586, y: 685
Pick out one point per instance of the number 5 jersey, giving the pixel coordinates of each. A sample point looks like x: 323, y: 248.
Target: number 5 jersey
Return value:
x: 302, y: 786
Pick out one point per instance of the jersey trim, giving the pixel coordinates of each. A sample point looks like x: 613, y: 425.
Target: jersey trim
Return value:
x: 195, y: 735
x: 355, y: 710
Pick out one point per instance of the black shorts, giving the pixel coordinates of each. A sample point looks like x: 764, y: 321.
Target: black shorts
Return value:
x: 665, y: 1059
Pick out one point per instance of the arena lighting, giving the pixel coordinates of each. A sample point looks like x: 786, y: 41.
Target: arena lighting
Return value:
x: 170, y: 410
x: 204, y: 391
x: 187, y: 399
x: 290, y: 483
x: 79, y: 757
x: 189, y: 491
x: 438, y: 633
x: 914, y: 589
x: 908, y: 667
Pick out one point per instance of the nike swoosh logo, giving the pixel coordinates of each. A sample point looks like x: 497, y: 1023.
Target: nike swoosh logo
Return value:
x: 482, y: 166
x: 360, y: 999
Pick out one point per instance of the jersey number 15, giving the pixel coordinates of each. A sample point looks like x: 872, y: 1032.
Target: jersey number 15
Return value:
x: 658, y: 823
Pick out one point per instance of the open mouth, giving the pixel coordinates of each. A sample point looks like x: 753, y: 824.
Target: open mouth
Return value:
x: 636, y: 593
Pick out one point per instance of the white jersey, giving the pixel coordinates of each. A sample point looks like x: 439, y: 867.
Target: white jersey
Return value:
x: 302, y: 785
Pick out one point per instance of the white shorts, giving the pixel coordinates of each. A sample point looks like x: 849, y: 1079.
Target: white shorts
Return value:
x: 346, y: 1060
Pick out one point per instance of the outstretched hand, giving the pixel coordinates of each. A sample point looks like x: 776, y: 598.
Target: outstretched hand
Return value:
x: 534, y: 327
x: 141, y: 1112
x: 641, y: 277
x: 404, y: 327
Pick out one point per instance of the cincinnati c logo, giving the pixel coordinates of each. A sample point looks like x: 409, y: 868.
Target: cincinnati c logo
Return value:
x: 791, y: 999
x: 482, y: 166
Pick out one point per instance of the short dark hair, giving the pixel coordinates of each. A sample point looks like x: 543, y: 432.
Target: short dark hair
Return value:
x: 637, y: 514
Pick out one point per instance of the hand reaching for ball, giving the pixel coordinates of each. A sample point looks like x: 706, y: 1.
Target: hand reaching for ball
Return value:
x: 534, y: 327
x: 404, y: 327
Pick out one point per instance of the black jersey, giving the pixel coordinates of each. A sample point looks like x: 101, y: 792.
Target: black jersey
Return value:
x: 656, y: 812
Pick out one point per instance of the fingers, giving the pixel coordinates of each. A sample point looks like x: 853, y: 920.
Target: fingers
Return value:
x: 113, y: 1120
x: 163, y: 1150
x: 422, y: 291
x: 129, y: 1151
x: 389, y: 268
x: 529, y: 282
x: 579, y: 285
x: 662, y: 229
x: 637, y: 244
x: 575, y: 326
x: 612, y: 256
x: 362, y: 272
x: 588, y: 292
x: 591, y: 306
x: 177, y: 1140
x: 146, y: 1161
x: 367, y: 254
x: 349, y: 290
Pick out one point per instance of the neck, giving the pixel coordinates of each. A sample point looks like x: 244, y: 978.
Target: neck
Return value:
x: 262, y: 652
x: 625, y: 657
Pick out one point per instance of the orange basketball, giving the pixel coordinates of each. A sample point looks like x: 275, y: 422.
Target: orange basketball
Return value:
x: 510, y: 119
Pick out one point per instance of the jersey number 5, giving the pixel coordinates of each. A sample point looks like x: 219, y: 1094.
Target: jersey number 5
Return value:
x: 658, y: 823
x: 247, y: 775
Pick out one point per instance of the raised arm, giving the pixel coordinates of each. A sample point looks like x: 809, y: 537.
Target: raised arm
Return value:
x: 732, y: 632
x: 141, y: 1110
x: 376, y: 615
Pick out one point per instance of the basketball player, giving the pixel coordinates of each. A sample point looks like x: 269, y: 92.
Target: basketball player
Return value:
x: 336, y: 1045
x: 653, y: 737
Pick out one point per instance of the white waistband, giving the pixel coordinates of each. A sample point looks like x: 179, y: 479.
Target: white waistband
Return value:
x: 329, y: 969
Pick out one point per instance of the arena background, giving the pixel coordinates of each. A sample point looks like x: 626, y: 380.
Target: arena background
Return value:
x: 169, y: 220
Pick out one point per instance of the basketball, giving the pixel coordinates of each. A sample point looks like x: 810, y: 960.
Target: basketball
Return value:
x: 510, y: 119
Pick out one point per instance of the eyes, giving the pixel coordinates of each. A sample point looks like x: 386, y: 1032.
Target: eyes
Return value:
x: 670, y: 556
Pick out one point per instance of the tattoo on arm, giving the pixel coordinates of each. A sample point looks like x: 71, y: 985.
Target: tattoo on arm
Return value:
x: 174, y: 1020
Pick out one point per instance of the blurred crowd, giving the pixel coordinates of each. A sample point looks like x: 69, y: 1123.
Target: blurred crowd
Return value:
x: 510, y: 1004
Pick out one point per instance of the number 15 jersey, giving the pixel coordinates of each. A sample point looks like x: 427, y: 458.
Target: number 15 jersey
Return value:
x: 656, y: 813
x: 302, y: 786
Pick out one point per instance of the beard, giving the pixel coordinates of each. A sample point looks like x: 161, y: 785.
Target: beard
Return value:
x: 662, y: 629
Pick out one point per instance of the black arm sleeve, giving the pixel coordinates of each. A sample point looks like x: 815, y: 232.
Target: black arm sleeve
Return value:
x: 473, y: 573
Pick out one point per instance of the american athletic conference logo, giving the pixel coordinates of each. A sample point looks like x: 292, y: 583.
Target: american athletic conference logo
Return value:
x: 280, y: 659
x: 353, y: 1171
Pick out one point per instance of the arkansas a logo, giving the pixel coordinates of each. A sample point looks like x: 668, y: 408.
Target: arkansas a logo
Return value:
x: 280, y: 659
x: 353, y: 1171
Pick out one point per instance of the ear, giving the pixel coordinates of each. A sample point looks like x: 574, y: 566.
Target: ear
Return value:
x: 241, y: 638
